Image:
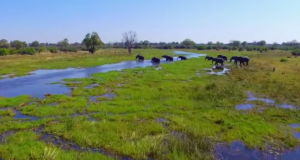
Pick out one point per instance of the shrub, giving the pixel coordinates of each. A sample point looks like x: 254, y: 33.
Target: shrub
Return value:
x: 249, y: 49
x: 28, y: 51
x: 40, y: 49
x: 201, y: 48
x: 14, y: 51
x: 225, y: 47
x: 4, y: 52
x: 283, y: 60
x: 241, y: 49
x: 53, y: 49
x: 68, y: 49
x: 296, y: 52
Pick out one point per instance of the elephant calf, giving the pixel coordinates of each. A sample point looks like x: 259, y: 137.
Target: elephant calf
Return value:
x: 139, y: 57
x: 223, y: 57
x: 155, y: 60
x: 218, y: 60
x: 168, y: 58
x: 182, y: 57
x: 208, y: 58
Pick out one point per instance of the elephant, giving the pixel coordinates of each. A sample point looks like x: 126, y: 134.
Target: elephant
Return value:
x: 240, y: 59
x: 155, y: 60
x: 168, y: 58
x: 223, y: 57
x: 234, y: 58
x: 244, y: 60
x: 182, y: 57
x: 140, y: 57
x: 208, y: 58
x: 92, y: 50
x: 218, y: 60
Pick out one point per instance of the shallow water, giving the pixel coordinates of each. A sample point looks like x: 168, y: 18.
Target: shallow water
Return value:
x: 108, y: 95
x: 295, y: 125
x: 19, y: 115
x: 238, y: 151
x: 92, y: 86
x: 245, y: 106
x: 38, y: 83
x: 251, y: 97
x: 223, y: 72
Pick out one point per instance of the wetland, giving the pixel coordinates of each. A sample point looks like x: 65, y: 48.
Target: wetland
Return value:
x: 119, y: 108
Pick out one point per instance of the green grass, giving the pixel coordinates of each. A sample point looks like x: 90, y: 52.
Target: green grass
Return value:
x: 199, y: 108
x: 16, y: 101
x: 27, y: 145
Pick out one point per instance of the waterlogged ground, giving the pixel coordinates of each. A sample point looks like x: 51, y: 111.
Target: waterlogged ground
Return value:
x: 172, y: 111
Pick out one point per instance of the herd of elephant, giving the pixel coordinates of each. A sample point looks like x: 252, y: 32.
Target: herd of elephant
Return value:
x: 219, y: 60
x: 157, y: 60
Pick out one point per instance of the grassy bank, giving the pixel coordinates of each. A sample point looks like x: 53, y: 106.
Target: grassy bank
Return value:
x: 19, y: 65
x: 176, y: 112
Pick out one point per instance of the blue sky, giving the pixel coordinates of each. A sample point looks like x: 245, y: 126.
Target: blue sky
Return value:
x: 153, y: 20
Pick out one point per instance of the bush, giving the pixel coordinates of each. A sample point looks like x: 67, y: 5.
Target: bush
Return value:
x: 13, y: 51
x: 296, y: 52
x: 53, y: 49
x: 249, y: 49
x: 40, y: 49
x: 28, y: 51
x: 68, y: 49
x: 283, y: 60
x: 4, y: 52
x: 168, y: 47
x: 241, y: 49
x: 201, y: 48
x: 225, y: 47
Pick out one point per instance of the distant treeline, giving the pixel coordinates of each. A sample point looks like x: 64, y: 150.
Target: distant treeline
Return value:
x: 20, y: 47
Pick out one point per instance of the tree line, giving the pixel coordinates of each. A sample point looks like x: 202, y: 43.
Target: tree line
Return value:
x: 92, y: 41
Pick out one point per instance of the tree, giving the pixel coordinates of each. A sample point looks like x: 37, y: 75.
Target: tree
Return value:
x: 35, y: 44
x: 87, y: 41
x: 235, y: 43
x: 64, y: 43
x: 188, y: 43
x: 17, y: 44
x: 262, y: 43
x: 219, y: 45
x: 209, y: 43
x: 129, y: 38
x: 244, y: 44
x: 92, y: 41
x: 146, y: 43
x: 4, y: 44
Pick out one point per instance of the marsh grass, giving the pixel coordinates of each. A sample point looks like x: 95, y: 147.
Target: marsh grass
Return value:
x: 26, y: 145
x: 202, y: 108
x: 16, y: 101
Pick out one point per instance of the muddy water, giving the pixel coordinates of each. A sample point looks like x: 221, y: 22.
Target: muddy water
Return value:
x: 38, y: 83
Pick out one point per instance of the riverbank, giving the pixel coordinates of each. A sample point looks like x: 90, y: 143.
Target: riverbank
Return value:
x: 171, y: 111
